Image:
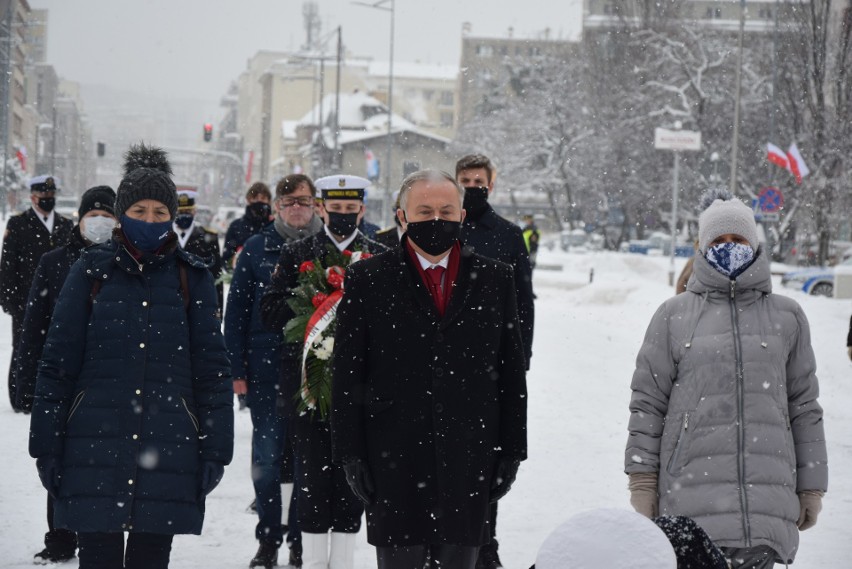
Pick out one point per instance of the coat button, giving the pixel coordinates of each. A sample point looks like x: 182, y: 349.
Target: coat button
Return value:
x: 142, y: 345
x: 138, y: 392
x: 439, y: 372
x: 135, y: 437
x: 130, y: 482
x: 439, y: 408
x: 144, y: 303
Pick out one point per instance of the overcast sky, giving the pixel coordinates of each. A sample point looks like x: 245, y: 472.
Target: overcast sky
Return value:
x: 194, y: 48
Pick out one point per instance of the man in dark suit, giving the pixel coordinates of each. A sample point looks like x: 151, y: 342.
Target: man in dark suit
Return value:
x: 325, y: 502
x: 488, y: 234
x: 28, y: 236
x: 391, y: 236
x: 428, y: 390
x: 198, y: 240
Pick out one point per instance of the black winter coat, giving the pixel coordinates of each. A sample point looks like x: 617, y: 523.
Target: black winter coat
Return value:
x: 133, y: 392
x: 428, y: 402
x: 44, y: 292
x: 275, y: 312
x: 204, y: 244
x: 492, y: 236
x: 388, y: 237
x: 25, y: 241
x: 238, y: 233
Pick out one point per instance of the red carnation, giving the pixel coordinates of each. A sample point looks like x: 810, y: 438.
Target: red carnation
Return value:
x: 306, y: 266
x: 335, y: 279
x: 318, y: 299
x: 365, y: 255
x: 347, y: 253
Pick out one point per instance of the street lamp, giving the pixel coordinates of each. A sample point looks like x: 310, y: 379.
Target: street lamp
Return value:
x: 388, y: 6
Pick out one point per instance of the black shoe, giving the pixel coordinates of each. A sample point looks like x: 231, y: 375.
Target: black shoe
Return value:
x: 53, y: 554
x: 296, y: 554
x: 266, y: 556
x: 488, y: 558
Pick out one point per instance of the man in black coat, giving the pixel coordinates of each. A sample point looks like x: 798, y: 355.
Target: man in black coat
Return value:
x: 391, y: 236
x: 198, y: 240
x: 28, y: 236
x: 97, y: 221
x: 257, y: 216
x: 489, y: 235
x: 429, y: 391
x: 325, y: 500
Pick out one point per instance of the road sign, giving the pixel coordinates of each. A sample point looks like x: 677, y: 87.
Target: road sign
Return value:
x: 770, y: 200
x: 766, y: 217
x: 665, y: 139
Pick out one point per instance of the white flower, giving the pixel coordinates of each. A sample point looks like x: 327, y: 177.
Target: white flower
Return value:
x: 322, y: 349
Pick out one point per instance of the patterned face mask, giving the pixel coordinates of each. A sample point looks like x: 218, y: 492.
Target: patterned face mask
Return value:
x: 730, y: 259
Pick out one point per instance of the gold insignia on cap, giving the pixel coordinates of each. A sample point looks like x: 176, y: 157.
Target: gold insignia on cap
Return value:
x: 341, y: 182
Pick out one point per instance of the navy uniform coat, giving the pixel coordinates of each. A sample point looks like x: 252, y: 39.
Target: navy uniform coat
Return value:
x: 204, y: 244
x: 238, y: 233
x: 275, y: 312
x: 26, y: 240
x: 496, y: 238
x: 133, y: 393
x: 428, y: 402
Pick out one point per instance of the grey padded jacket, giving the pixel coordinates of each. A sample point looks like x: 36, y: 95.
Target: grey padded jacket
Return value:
x: 724, y: 409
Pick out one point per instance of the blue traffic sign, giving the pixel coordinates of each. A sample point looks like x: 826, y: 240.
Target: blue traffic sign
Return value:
x: 770, y: 200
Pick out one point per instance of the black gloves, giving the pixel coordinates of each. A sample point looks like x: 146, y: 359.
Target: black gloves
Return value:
x: 504, y: 476
x: 48, y: 473
x: 211, y: 475
x: 360, y: 480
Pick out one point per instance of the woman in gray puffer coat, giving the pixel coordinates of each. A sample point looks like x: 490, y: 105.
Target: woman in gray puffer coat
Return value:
x: 725, y: 427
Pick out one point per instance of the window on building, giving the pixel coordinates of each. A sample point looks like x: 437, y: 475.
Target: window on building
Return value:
x: 447, y: 98
x: 447, y: 119
x: 484, y: 50
x: 428, y: 94
x: 765, y: 13
x: 714, y: 13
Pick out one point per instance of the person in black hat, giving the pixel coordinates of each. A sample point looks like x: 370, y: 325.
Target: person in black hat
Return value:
x: 28, y: 236
x: 132, y: 422
x: 198, y: 240
x: 96, y: 225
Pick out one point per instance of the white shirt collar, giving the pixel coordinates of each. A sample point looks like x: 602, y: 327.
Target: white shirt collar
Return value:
x: 425, y: 264
x: 341, y: 245
x: 182, y: 239
x: 50, y: 219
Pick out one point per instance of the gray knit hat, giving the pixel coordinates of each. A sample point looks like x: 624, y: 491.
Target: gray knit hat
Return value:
x: 147, y: 176
x: 725, y: 214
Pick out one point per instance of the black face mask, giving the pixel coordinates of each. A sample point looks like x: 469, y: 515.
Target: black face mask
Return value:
x: 434, y: 236
x: 475, y: 201
x: 342, y: 224
x: 259, y: 210
x: 46, y: 204
x: 184, y: 220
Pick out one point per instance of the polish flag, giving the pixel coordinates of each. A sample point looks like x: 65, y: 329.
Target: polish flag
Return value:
x: 777, y: 156
x: 797, y: 163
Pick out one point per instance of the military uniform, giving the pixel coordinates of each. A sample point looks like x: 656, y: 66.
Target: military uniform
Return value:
x: 25, y: 241
x: 200, y: 241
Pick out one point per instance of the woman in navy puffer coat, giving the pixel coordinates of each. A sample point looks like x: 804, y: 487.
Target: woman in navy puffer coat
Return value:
x: 132, y: 420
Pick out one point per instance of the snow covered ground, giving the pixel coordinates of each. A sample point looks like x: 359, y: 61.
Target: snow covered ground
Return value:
x: 586, y: 339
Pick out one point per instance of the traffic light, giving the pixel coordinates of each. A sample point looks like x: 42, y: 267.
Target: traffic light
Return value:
x: 208, y: 132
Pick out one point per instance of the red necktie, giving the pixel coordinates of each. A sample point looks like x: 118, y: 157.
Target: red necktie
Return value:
x: 435, y: 274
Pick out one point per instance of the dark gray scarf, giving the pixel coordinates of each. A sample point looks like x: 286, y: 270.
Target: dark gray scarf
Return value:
x: 294, y: 234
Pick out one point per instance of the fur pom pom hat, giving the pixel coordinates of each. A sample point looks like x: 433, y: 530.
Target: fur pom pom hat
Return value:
x: 147, y: 176
x: 724, y: 214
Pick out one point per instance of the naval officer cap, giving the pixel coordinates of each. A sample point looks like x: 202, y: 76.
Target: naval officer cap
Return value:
x: 44, y: 184
x: 342, y: 187
x: 186, y: 198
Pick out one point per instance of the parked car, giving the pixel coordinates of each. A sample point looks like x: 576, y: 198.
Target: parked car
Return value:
x: 818, y: 281
x: 67, y: 206
x: 224, y: 216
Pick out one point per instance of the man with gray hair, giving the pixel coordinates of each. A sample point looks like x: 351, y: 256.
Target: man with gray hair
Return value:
x: 429, y: 390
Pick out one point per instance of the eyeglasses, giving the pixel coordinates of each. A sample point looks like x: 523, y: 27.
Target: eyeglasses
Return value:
x: 290, y: 202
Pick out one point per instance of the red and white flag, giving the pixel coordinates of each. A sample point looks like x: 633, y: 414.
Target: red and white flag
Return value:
x: 797, y: 164
x: 777, y: 156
